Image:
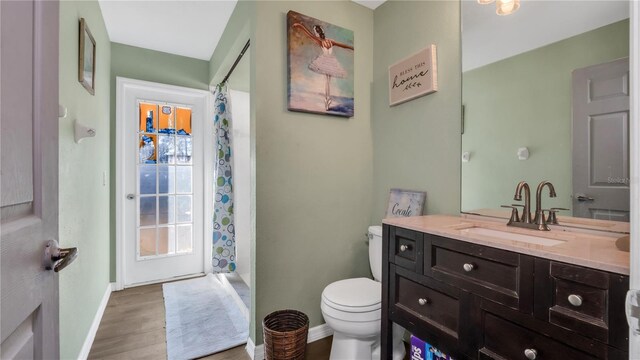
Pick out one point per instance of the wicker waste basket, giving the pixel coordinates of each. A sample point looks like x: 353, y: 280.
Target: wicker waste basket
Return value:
x: 285, y: 335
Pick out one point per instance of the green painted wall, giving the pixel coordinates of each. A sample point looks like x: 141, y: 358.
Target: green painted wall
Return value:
x: 525, y: 100
x: 416, y: 145
x: 235, y: 36
x: 84, y: 198
x: 313, y: 172
x: 149, y: 65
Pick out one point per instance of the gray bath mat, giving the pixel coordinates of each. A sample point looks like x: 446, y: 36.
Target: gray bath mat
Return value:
x: 202, y: 318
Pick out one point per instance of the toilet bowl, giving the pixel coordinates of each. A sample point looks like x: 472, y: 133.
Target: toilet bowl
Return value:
x: 351, y: 307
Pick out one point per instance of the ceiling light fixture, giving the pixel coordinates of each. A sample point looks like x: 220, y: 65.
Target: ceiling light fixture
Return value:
x: 485, y: 2
x: 507, y: 7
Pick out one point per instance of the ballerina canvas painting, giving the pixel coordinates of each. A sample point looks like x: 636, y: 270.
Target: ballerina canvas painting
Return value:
x: 320, y: 66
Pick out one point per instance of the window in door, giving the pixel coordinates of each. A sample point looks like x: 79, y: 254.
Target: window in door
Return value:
x: 165, y: 181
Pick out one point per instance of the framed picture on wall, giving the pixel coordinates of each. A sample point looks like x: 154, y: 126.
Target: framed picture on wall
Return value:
x: 413, y: 76
x: 405, y: 203
x: 87, y: 58
x: 320, y: 67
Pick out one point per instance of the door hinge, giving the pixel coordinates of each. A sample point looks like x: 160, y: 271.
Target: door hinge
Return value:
x: 632, y: 308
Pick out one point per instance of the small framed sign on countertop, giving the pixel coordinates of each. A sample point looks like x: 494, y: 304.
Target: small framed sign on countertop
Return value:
x: 414, y: 76
x: 405, y: 203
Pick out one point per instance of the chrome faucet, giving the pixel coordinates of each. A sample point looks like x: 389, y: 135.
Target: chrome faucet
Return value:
x: 539, y: 222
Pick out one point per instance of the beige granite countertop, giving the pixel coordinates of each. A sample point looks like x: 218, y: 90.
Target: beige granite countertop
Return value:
x: 593, y: 250
x: 569, y: 221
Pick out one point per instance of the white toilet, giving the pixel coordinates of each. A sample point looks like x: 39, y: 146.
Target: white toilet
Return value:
x: 351, y: 307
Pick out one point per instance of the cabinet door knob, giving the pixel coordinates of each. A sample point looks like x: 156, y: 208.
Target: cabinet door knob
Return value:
x: 468, y: 267
x: 530, y: 354
x: 404, y: 247
x: 423, y: 301
x: 575, y: 300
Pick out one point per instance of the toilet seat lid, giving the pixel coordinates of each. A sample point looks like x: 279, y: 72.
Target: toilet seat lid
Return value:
x: 355, y: 295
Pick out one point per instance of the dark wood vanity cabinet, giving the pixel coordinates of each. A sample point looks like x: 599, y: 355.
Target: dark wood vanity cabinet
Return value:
x: 479, y: 302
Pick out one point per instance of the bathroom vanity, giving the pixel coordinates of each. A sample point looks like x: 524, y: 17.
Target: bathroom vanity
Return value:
x: 478, y: 289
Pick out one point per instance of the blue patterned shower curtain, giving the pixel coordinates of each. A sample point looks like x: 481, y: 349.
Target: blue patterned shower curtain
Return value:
x: 224, y: 242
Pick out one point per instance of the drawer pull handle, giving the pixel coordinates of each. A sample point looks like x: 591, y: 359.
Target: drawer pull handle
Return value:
x: 575, y: 300
x: 468, y: 267
x: 404, y: 247
x: 423, y: 301
x: 530, y: 354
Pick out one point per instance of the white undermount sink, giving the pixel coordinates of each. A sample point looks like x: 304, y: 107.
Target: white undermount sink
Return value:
x: 505, y: 235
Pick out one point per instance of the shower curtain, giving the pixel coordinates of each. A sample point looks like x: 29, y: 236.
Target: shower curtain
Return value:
x: 224, y: 243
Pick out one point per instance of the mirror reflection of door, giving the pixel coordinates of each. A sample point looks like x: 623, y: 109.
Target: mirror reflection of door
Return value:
x: 601, y: 141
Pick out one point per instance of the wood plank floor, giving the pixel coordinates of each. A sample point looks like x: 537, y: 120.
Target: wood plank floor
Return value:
x: 133, y: 328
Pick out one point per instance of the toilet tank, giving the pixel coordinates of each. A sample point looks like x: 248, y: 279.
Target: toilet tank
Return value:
x: 375, y: 251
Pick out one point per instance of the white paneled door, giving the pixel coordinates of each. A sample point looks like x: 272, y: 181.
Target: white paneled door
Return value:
x: 601, y: 167
x: 29, y: 180
x: 161, y: 162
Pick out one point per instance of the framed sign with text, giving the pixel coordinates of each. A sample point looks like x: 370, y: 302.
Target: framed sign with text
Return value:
x: 405, y: 203
x: 414, y: 76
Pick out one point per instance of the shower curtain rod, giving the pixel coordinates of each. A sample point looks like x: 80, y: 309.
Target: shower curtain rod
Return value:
x: 244, y: 49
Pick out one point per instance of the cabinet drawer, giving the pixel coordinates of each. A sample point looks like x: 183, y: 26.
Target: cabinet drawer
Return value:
x: 430, y: 305
x: 584, y: 300
x: 506, y: 340
x: 498, y: 275
x: 426, y: 307
x: 403, y: 247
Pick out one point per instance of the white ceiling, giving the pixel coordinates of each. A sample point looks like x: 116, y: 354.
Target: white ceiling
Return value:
x: 487, y: 37
x: 371, y: 4
x: 187, y: 28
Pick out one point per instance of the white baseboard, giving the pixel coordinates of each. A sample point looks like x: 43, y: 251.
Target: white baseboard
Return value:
x: 91, y: 335
x: 234, y: 295
x: 319, y: 332
x: 251, y: 350
x: 315, y: 333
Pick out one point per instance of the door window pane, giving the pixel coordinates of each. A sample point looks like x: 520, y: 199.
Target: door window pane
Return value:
x: 167, y: 120
x: 183, y: 179
x: 184, y: 238
x: 183, y: 149
x: 148, y: 118
x: 166, y: 149
x: 183, y: 121
x: 166, y: 209
x: 166, y: 179
x: 183, y: 208
x: 147, y: 242
x: 147, y: 179
x: 166, y: 240
x: 147, y: 211
x: 147, y: 149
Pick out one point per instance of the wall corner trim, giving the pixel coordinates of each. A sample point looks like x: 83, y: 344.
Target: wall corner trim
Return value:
x: 315, y: 333
x: 93, y: 330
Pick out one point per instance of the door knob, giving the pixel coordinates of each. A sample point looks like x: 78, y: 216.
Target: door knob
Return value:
x: 130, y: 196
x: 56, y: 258
x: 404, y: 247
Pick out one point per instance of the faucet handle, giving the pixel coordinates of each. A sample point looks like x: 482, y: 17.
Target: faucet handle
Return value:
x: 553, y: 219
x: 514, y: 213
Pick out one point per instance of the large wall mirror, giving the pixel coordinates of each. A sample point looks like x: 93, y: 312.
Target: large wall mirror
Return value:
x: 546, y: 97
